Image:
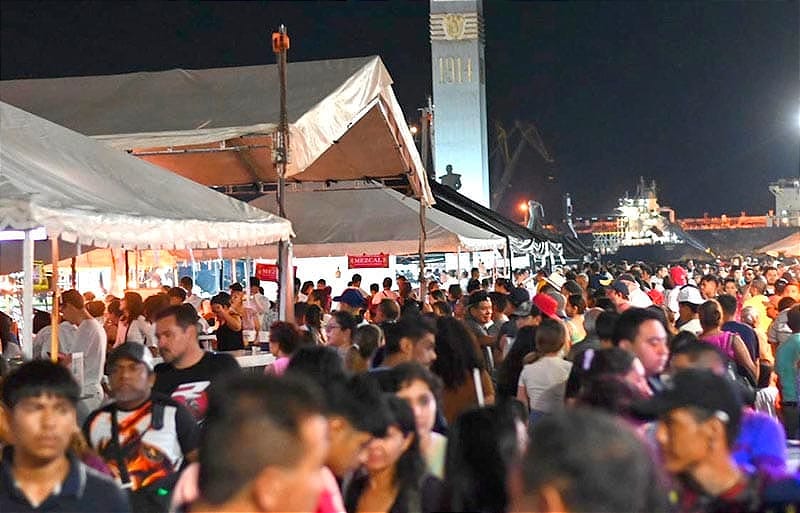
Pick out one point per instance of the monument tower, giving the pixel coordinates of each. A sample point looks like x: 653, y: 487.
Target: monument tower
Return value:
x: 459, y: 94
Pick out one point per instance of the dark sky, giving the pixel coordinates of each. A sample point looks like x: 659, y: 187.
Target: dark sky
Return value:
x: 702, y: 96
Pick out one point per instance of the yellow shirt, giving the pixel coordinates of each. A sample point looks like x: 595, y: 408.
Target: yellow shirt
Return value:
x: 760, y: 304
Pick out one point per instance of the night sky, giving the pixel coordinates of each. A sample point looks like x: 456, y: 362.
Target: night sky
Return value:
x: 704, y: 97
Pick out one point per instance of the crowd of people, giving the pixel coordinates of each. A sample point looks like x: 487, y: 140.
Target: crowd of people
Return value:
x: 630, y: 388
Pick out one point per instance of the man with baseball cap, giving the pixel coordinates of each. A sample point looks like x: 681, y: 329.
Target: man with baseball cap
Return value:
x: 351, y: 301
x: 144, y: 437
x: 689, y: 301
x: 619, y: 294
x: 699, y: 416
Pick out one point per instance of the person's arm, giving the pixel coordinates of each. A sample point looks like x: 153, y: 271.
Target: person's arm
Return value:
x: 488, y: 388
x: 522, y: 396
x: 742, y: 356
x: 188, y: 433
x: 231, y: 319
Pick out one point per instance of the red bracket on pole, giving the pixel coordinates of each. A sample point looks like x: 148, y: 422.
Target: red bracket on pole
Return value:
x: 280, y: 42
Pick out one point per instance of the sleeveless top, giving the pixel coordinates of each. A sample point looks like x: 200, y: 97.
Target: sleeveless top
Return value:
x: 723, y: 340
x: 229, y: 340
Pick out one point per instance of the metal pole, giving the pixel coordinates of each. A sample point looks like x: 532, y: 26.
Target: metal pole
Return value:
x: 27, y: 296
x: 422, y: 236
x: 56, y: 301
x: 280, y: 46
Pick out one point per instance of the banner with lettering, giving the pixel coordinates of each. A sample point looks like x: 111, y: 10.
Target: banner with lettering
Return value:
x: 269, y: 272
x: 379, y: 261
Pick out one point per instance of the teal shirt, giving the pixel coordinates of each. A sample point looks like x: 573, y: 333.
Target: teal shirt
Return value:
x: 786, y: 358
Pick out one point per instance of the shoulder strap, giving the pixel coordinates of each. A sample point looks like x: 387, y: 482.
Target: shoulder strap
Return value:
x: 117, y: 450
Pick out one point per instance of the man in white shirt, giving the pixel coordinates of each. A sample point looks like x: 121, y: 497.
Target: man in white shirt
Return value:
x: 90, y: 340
x: 386, y: 293
x: 187, y: 283
x: 66, y: 339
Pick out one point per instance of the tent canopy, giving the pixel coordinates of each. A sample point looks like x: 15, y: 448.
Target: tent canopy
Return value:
x: 215, y: 126
x: 522, y: 239
x: 788, y: 247
x: 356, y: 218
x: 85, y: 192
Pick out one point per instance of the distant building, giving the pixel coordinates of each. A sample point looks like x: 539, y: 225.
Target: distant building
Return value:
x: 787, y: 201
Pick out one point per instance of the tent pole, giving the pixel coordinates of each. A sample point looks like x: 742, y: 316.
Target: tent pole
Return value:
x: 27, y: 296
x: 233, y: 271
x: 280, y: 46
x: 56, y: 301
x: 422, y: 236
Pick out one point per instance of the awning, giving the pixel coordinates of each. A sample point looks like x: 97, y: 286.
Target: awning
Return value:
x: 787, y: 247
x: 523, y: 240
x: 365, y: 218
x: 83, y: 191
x: 215, y: 126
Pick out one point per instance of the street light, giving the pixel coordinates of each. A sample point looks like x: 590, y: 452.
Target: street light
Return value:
x: 523, y: 207
x: 413, y: 129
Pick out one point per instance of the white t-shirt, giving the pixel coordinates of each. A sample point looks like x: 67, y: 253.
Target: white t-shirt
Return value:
x: 90, y: 339
x: 545, y: 381
x: 66, y: 339
x: 140, y: 331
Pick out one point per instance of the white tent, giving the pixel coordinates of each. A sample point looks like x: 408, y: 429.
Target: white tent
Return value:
x: 356, y: 218
x: 82, y: 191
x: 788, y: 247
x: 215, y: 126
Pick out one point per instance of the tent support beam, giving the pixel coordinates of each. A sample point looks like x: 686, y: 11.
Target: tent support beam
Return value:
x: 56, y: 301
x: 27, y: 296
x: 246, y: 147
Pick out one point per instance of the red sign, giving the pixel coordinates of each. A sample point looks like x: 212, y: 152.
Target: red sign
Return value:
x: 378, y: 261
x: 269, y: 272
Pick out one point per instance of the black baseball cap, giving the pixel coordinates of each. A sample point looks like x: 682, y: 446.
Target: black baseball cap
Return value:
x: 699, y: 388
x: 132, y: 351
x: 518, y: 295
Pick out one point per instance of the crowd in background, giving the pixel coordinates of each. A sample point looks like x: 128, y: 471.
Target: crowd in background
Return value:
x: 593, y: 388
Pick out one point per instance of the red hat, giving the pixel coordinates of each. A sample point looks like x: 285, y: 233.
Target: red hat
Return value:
x: 547, y: 304
x: 655, y: 296
x: 678, y: 275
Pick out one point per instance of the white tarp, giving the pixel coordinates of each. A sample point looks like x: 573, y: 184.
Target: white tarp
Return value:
x: 85, y: 192
x: 342, y: 220
x: 345, y: 121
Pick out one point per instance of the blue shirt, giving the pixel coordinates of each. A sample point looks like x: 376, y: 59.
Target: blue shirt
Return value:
x: 748, y: 335
x: 84, y: 490
x: 786, y: 358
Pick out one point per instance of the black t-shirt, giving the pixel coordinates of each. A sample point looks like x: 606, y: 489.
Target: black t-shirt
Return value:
x: 228, y: 339
x: 190, y: 386
x: 84, y: 489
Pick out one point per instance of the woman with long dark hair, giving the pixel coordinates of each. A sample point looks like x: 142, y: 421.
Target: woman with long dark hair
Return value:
x: 133, y: 327
x: 481, y: 447
x: 509, y: 370
x: 457, y: 357
x: 395, y: 479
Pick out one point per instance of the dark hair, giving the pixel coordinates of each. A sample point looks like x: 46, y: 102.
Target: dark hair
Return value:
x: 438, y: 295
x: 253, y: 281
x: 96, y: 308
x: 187, y: 282
x: 610, y: 393
x: 222, y: 298
x: 389, y: 308
x: 509, y: 370
x: 374, y: 288
x: 709, y: 277
x: 410, y: 467
x: 481, y: 446
x: 320, y: 363
x: 412, y: 327
x: 710, y: 314
x: 177, y: 292
x: 366, y: 340
x: 785, y: 302
x: 134, y: 305
x: 454, y: 290
x: 74, y: 298
x: 695, y: 349
x: 576, y: 301
x: 442, y: 309
x: 588, y: 454
x: 300, y: 310
x: 185, y: 315
x: 456, y: 352
x: 681, y: 339
x: 611, y: 361
x: 356, y: 278
x: 499, y: 300
x: 473, y: 285
x: 346, y: 321
x: 37, y: 378
x: 322, y: 281
x: 405, y: 374
x: 115, y: 307
x: 236, y: 287
x: 793, y: 319
x: 263, y: 414
x: 285, y: 334
x: 627, y: 326
x: 306, y: 286
x: 549, y: 336
x: 727, y: 303
x: 314, y: 316
x: 387, y: 282
x: 154, y: 304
